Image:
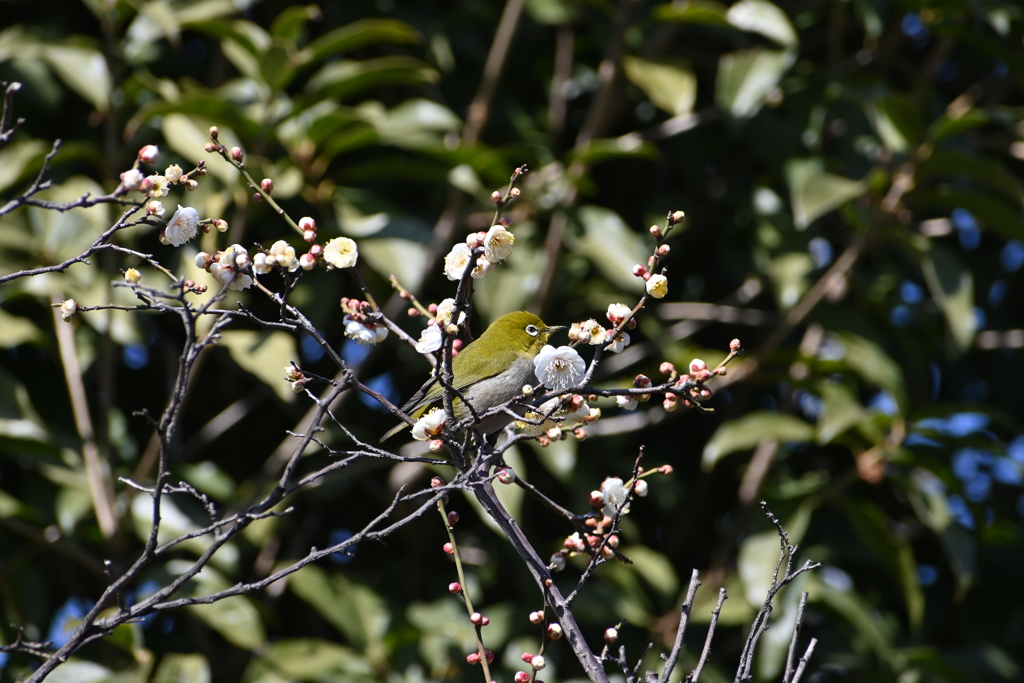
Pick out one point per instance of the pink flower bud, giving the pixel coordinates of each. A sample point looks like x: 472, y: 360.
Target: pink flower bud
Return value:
x: 484, y: 621
x: 666, y: 469
x: 702, y: 376
x: 538, y: 662
x: 557, y: 561
x: 237, y: 154
x: 596, y: 499
x: 267, y: 185
x: 522, y: 677
x: 307, y: 262
x: 526, y: 656
x: 435, y: 445
x: 475, y: 618
x: 214, y: 132
x: 148, y: 154
x: 506, y: 475
x: 677, y: 217
x: 453, y: 518
x: 639, y: 270
x: 132, y: 179
x: 535, y: 618
x: 473, y: 658
x: 554, y: 631
x: 515, y: 192
x: 316, y: 251
x: 309, y: 235
x: 641, y: 382
x: 696, y: 365
x: 257, y: 197
x: 447, y: 547
x: 496, y: 197
x: 489, y: 655
x: 307, y: 223
x: 670, y: 403
x: 663, y: 250
x: 734, y: 346
x: 221, y: 225
x: 611, y: 635
x: 436, y: 482
x: 655, y: 230
x: 210, y: 147
x: 454, y: 588
x: 580, y: 434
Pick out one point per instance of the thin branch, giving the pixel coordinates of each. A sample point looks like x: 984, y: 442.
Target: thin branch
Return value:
x: 684, y: 619
x: 803, y: 661
x: 788, y: 677
x: 695, y: 674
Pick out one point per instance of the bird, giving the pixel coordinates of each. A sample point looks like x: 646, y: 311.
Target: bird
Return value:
x: 488, y: 372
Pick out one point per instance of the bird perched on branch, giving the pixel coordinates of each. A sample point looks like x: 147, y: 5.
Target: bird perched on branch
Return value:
x: 488, y: 372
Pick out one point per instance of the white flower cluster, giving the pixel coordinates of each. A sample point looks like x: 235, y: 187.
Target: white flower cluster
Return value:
x: 281, y: 254
x: 363, y: 334
x: 229, y: 266
x: 497, y: 244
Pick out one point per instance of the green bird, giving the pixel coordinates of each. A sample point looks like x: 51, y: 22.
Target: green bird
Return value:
x: 489, y: 371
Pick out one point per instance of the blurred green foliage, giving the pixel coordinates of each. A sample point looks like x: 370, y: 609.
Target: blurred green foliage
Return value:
x: 862, y: 155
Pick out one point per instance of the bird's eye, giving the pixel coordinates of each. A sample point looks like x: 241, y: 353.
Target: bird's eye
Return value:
x: 532, y: 330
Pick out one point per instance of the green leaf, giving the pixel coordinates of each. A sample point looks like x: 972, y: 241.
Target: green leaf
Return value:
x: 629, y: 146
x: 235, y: 618
x: 307, y: 659
x: 277, y: 66
x: 813, y: 193
x: 292, y: 21
x: 983, y: 170
x: 80, y: 671
x: 863, y: 616
x: 83, y: 69
x: 15, y: 330
x: 898, y: 121
x: 345, y: 78
x: 553, y: 12
x: 750, y: 431
x: 15, y: 159
x: 873, y: 364
x: 841, y: 411
x: 693, y: 12
x: 746, y: 77
x: 176, y: 667
x: 788, y: 273
x: 892, y: 549
x: 655, y: 568
x: 264, y: 354
x: 952, y: 288
x: 669, y: 84
x: 354, y: 609
x: 358, y: 34
x: 612, y: 246
x: 761, y: 16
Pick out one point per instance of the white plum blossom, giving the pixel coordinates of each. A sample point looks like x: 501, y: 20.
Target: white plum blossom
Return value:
x: 341, y: 252
x: 428, y: 426
x: 621, y: 342
x: 430, y: 339
x: 657, y: 286
x: 498, y: 244
x: 68, y: 309
x: 456, y: 260
x: 483, y: 266
x: 284, y: 255
x: 626, y: 402
x: 173, y: 173
x: 640, y: 487
x: 183, y: 226
x: 592, y: 332
x: 229, y: 265
x: 155, y: 208
x: 159, y: 186
x: 617, y: 313
x: 614, y: 495
x: 261, y: 264
x: 560, y: 368
x: 364, y: 335
x: 445, y: 309
x: 132, y: 179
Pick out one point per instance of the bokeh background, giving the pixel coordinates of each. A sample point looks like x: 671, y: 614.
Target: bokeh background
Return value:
x: 851, y: 175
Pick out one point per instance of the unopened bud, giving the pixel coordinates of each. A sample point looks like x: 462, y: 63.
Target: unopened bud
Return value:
x: 656, y: 230
x: 210, y: 147
x: 148, y: 154
x: 299, y: 385
x: 640, y: 488
x: 435, y: 445
x: 596, y: 499
x: 677, y: 217
x: 132, y: 276
x: 554, y: 631
x: 639, y: 270
x: 473, y: 658
x: 237, y: 154
x: 453, y: 518
x: 506, y: 475
x: 612, y: 634
x: 522, y: 677
x: 641, y: 382
x: 307, y: 262
x: 696, y: 365
x: 527, y: 390
x: 663, y: 250
x: 214, y: 132
x: 267, y: 185
x: 309, y: 235
x: 538, y: 662
x: 666, y: 469
x: 557, y: 561
x: 580, y: 434
x: 221, y: 225
x: 535, y: 618
x: 68, y: 309
x: 496, y: 197
x: 666, y: 368
x: 448, y: 549
x: 257, y: 197
x: 515, y: 192
x: 316, y: 251
x: 734, y: 346
x: 454, y: 588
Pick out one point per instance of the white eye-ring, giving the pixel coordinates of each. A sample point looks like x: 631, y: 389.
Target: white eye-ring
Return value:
x: 532, y: 330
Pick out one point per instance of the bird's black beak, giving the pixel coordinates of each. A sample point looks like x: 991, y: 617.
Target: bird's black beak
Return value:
x: 556, y: 328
